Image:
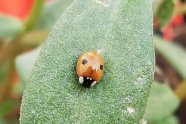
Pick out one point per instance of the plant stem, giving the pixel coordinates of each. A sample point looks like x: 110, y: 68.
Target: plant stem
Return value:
x: 33, y: 39
x: 8, y: 51
x: 180, y: 9
x: 34, y: 16
x: 180, y: 91
x: 8, y: 82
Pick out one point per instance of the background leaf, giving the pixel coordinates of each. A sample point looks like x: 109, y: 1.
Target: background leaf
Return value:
x: 51, y: 12
x: 10, y: 27
x: 155, y: 5
x: 165, y: 12
x: 122, y: 32
x: 162, y: 103
x: 25, y: 62
x: 169, y: 120
x: 173, y: 53
x: 3, y: 71
x: 6, y: 107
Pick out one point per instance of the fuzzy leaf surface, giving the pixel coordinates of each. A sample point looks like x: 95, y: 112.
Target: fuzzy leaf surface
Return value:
x: 122, y: 31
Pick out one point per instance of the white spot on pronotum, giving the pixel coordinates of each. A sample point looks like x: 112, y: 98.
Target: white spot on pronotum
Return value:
x: 102, y: 2
x: 130, y: 110
x: 90, y: 78
x: 93, y: 83
x: 93, y: 68
x: 143, y: 121
x: 81, y: 80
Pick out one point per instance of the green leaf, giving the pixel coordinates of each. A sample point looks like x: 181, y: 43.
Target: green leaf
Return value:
x: 6, y: 107
x: 33, y: 39
x: 25, y: 62
x: 19, y: 88
x: 2, y: 121
x: 162, y: 103
x: 169, y: 120
x: 52, y: 11
x: 34, y: 15
x: 3, y: 71
x: 173, y: 53
x: 165, y: 12
x: 155, y: 5
x: 122, y: 32
x: 9, y: 27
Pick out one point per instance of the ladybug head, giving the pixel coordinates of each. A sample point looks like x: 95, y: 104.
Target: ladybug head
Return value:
x: 87, y: 81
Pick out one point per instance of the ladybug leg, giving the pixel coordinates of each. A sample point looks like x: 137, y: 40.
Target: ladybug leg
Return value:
x: 81, y: 80
x: 93, y: 83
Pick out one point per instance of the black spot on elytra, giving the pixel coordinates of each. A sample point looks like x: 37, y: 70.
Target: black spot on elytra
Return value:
x: 101, y: 67
x: 84, y: 61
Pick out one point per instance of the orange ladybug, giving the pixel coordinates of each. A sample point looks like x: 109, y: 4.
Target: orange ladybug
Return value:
x: 90, y: 67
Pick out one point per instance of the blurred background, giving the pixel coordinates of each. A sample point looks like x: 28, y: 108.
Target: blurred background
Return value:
x: 24, y: 25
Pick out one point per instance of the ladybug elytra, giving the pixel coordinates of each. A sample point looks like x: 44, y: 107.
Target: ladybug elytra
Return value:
x: 90, y: 67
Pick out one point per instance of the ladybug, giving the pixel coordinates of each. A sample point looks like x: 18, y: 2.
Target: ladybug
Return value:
x: 90, y: 67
